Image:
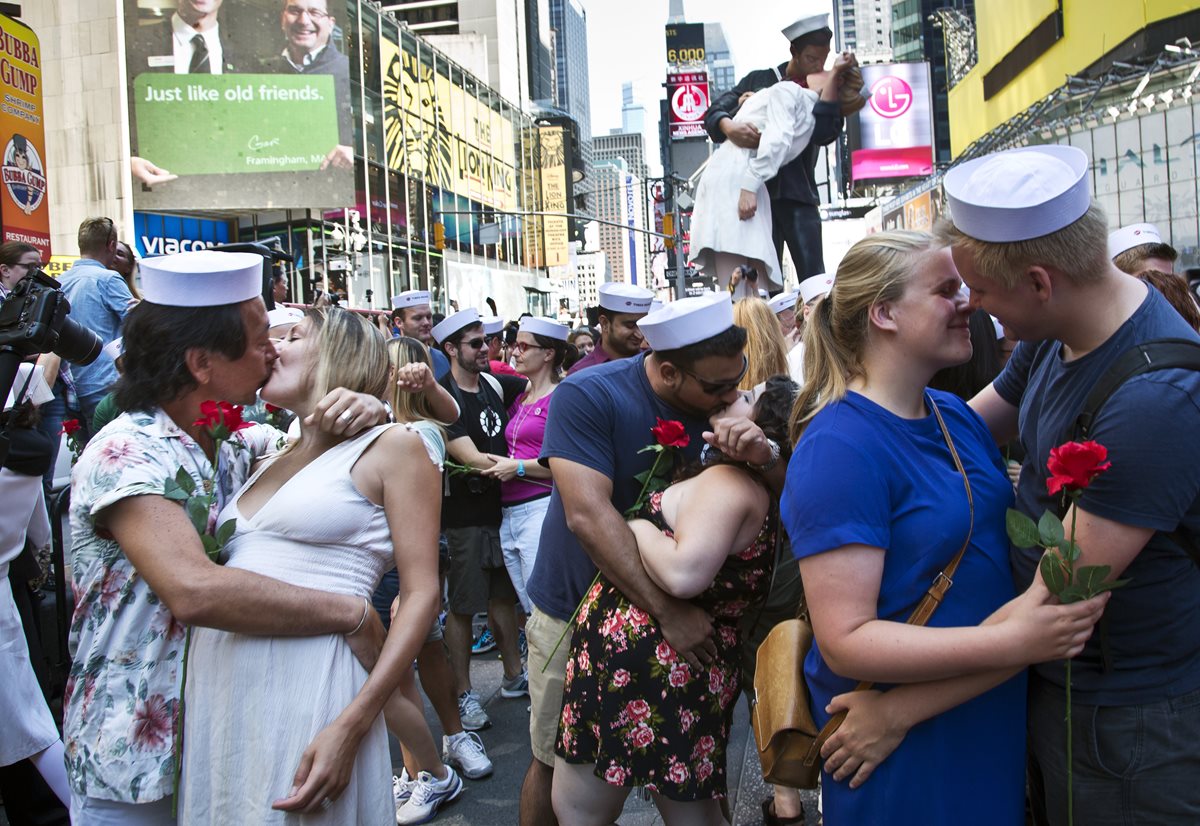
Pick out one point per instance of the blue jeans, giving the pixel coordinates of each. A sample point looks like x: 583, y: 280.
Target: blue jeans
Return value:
x: 53, y: 413
x: 1133, y: 764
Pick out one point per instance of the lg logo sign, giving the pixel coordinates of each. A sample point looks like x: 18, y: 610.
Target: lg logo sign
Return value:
x: 891, y: 97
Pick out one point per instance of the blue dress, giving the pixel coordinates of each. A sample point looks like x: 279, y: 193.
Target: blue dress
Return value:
x: 862, y: 475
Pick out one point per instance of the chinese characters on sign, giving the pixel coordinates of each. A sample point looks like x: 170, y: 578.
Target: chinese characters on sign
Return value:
x: 688, y: 94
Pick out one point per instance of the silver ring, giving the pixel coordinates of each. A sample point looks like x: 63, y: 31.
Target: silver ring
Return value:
x: 326, y: 803
x: 346, y: 416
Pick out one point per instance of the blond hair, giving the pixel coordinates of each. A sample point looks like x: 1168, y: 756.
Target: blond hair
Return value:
x: 351, y: 353
x: 1078, y: 250
x: 878, y: 268
x: 95, y: 234
x: 766, y: 350
x: 408, y: 406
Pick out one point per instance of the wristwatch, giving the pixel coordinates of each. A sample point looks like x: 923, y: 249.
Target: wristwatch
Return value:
x: 769, y: 465
x: 521, y: 465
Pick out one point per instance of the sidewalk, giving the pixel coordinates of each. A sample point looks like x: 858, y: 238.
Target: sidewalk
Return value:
x: 494, y: 801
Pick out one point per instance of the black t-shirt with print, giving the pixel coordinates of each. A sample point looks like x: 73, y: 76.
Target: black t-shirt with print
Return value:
x: 474, y: 500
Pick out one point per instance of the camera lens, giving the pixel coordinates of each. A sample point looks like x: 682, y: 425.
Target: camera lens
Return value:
x: 77, y: 344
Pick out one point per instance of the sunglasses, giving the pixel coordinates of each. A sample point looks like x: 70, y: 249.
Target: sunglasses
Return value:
x: 475, y: 343
x: 720, y: 388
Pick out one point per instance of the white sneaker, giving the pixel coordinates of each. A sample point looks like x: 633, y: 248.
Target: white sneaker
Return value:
x: 471, y: 713
x: 464, y: 751
x: 402, y: 787
x: 428, y: 795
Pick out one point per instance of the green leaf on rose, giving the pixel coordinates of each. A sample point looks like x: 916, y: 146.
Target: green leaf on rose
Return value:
x: 1054, y: 573
x: 1021, y: 530
x: 173, y: 492
x: 185, y: 481
x: 197, y: 509
x: 1050, y: 530
x: 1069, y: 550
x: 225, y: 532
x: 1073, y: 593
x: 211, y: 548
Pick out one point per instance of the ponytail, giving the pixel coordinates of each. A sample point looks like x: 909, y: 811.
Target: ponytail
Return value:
x: 877, y: 268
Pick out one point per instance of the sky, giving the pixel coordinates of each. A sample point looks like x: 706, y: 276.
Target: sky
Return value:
x: 626, y: 44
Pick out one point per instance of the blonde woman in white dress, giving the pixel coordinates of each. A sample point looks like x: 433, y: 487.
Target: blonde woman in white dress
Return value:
x: 290, y: 729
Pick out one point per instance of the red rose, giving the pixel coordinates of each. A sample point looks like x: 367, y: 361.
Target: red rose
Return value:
x: 1075, y: 464
x: 643, y: 736
x: 70, y: 427
x: 620, y: 678
x: 638, y: 710
x: 217, y: 415
x: 670, y: 433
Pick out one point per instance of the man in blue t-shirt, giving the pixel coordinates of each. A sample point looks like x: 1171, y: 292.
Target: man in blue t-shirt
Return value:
x: 600, y: 420
x: 1030, y: 243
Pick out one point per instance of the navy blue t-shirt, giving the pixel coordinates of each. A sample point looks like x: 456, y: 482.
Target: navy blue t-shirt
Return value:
x: 601, y: 418
x: 1149, y: 427
x: 863, y: 475
x: 441, y: 364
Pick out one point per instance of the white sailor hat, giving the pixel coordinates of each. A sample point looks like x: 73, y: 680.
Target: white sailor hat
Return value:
x: 655, y: 305
x: 783, y: 301
x: 492, y: 324
x: 688, y: 321
x: 38, y: 391
x: 806, y: 25
x: 410, y: 298
x: 815, y: 287
x: 1019, y: 194
x: 451, y: 324
x: 625, y: 298
x: 1134, y: 235
x: 284, y: 315
x: 547, y: 327
x: 203, y: 278
x: 114, y: 349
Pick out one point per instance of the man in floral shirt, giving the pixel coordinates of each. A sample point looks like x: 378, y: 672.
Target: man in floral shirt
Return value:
x: 139, y: 571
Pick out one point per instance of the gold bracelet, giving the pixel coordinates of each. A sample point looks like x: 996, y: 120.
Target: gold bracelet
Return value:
x: 361, y: 622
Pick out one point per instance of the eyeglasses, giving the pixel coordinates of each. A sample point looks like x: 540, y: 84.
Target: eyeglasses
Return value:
x: 315, y: 15
x: 720, y: 388
x: 523, y: 347
x: 475, y: 343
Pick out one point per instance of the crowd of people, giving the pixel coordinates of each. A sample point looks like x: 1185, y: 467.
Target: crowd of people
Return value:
x: 285, y: 523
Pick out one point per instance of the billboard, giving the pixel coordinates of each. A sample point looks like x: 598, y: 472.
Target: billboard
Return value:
x: 238, y: 105
x: 687, y: 97
x: 895, y: 128
x: 685, y: 44
x: 631, y: 221
x: 24, y: 211
x: 555, y: 228
x: 437, y: 130
x: 169, y: 234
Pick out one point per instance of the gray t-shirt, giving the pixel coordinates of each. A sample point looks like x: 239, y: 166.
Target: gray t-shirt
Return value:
x: 1150, y: 428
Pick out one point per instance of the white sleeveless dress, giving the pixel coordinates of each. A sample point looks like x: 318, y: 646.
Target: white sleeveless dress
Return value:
x: 254, y: 704
x: 783, y: 115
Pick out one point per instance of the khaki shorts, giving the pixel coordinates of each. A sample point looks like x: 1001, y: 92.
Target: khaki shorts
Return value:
x: 542, y: 631
x: 471, y: 584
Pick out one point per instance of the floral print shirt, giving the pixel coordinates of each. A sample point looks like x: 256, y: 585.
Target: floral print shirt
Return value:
x: 122, y: 695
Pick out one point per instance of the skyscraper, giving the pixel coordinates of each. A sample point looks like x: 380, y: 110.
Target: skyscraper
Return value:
x: 719, y: 60
x: 617, y: 197
x: 628, y: 146
x: 865, y: 28
x: 568, y: 22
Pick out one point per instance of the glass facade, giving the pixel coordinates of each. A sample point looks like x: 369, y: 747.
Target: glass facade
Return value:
x: 445, y: 169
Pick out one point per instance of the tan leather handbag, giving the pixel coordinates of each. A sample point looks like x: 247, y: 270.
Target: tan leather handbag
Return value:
x: 789, y: 742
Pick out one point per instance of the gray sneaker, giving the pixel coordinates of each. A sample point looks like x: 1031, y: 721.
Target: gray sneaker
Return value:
x: 518, y: 686
x: 428, y: 795
x: 464, y: 751
x: 473, y: 717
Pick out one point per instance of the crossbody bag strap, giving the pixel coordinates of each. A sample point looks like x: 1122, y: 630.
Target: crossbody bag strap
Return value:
x: 933, y: 597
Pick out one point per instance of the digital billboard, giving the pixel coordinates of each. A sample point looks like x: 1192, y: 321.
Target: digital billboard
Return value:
x: 238, y: 105
x: 24, y: 211
x: 894, y: 136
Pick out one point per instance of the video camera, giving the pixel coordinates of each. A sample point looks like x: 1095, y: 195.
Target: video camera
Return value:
x: 33, y: 320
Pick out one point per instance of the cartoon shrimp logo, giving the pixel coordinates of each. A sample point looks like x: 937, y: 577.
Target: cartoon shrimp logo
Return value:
x: 22, y: 173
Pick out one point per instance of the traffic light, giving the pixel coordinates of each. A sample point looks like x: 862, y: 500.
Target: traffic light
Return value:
x: 439, y: 235
x: 669, y: 230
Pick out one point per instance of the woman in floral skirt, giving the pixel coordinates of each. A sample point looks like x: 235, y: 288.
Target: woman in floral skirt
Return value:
x: 634, y: 712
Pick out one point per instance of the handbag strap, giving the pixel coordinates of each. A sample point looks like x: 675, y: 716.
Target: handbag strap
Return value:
x: 933, y: 596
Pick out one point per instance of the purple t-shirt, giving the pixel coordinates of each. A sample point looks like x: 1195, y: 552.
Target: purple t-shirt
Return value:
x: 524, y: 434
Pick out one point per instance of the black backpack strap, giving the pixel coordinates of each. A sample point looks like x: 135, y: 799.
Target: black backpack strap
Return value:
x: 1159, y: 354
